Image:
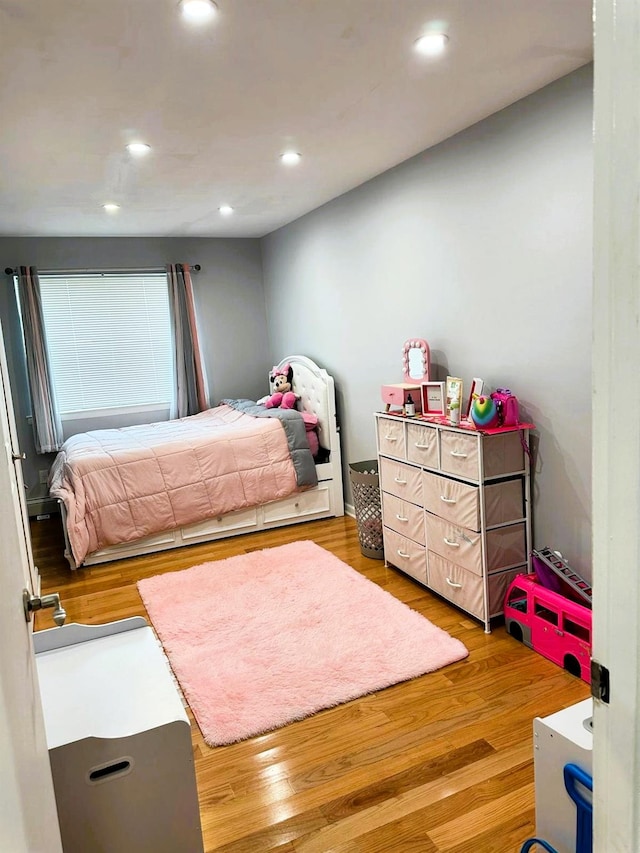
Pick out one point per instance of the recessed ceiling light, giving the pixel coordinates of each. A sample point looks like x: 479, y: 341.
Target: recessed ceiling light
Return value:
x: 225, y: 209
x: 110, y: 207
x: 290, y: 158
x: 138, y: 149
x: 198, y: 11
x: 431, y: 44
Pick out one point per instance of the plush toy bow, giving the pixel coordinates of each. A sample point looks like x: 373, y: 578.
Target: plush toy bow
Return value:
x: 284, y: 370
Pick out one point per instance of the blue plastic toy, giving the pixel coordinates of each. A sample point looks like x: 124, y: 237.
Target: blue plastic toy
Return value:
x: 584, y: 812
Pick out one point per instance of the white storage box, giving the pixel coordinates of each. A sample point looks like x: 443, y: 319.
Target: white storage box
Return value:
x: 562, y: 738
x: 119, y: 740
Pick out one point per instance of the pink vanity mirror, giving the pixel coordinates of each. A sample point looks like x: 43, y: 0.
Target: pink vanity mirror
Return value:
x: 406, y: 396
x: 416, y: 361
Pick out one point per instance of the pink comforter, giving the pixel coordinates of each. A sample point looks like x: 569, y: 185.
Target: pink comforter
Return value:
x: 119, y: 485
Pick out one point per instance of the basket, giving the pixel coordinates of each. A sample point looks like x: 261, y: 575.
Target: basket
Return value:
x: 365, y: 487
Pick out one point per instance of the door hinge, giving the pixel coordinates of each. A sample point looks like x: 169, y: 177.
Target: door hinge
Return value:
x: 599, y: 681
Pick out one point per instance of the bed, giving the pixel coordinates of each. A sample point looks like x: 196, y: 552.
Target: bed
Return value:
x: 242, y: 505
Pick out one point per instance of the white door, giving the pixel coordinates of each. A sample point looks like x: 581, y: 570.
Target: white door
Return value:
x: 616, y: 424
x: 28, y: 817
x: 10, y: 438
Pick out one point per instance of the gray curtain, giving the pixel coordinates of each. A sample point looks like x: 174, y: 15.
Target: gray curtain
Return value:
x: 47, y: 426
x: 190, y: 387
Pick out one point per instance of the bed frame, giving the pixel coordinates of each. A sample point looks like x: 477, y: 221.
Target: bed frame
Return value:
x: 317, y: 395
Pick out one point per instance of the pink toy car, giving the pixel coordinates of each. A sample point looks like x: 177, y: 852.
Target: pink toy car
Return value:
x: 550, y: 623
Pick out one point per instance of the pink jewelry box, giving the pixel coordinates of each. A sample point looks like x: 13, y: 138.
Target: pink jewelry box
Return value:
x: 396, y: 395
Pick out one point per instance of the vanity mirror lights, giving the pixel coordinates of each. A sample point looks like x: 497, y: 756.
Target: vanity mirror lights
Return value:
x: 416, y: 361
x: 416, y: 366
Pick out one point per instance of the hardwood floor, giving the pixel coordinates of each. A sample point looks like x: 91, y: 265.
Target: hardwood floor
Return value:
x: 440, y: 764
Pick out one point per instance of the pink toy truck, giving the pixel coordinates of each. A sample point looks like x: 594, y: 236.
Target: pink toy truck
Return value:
x: 550, y: 623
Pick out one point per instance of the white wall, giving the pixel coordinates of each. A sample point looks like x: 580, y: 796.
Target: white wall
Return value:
x: 481, y: 245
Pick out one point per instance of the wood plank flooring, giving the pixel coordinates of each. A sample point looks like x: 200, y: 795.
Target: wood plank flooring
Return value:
x: 440, y: 764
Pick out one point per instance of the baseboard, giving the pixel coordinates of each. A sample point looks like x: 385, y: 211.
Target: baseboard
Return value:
x: 349, y: 510
x: 42, y: 506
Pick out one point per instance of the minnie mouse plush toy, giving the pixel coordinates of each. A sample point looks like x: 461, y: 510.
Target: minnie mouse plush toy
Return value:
x: 283, y: 397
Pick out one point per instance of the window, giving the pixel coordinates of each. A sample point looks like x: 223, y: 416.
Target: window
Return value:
x: 582, y: 632
x: 518, y: 599
x: 110, y: 345
x: 544, y: 612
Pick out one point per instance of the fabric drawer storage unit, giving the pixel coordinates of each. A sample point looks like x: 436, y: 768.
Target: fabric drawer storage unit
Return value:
x: 119, y: 740
x: 456, y: 508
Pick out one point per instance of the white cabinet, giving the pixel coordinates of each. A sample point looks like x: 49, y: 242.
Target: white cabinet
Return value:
x: 119, y: 740
x: 456, y: 508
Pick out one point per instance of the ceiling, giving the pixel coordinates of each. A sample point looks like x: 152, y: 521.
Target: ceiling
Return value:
x: 336, y: 80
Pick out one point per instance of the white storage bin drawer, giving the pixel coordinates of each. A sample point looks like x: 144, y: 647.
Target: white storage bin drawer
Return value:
x: 401, y: 480
x: 455, y: 543
x: 391, y: 437
x: 459, y: 455
x: 459, y: 586
x: 422, y: 445
x: 503, y: 454
x: 466, y: 589
x: 403, y: 517
x: 503, y: 502
x: 405, y: 554
x: 460, y: 503
x: 241, y: 520
x: 506, y: 546
x: 454, y: 501
x: 311, y: 502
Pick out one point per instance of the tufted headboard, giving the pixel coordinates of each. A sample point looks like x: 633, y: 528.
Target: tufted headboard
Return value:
x: 317, y: 395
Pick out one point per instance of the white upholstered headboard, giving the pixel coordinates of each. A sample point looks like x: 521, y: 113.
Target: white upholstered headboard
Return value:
x: 317, y: 395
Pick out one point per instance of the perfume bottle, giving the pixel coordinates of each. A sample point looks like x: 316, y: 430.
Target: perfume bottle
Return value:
x: 409, y: 406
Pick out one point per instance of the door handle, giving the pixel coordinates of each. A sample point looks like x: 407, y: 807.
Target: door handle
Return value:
x: 16, y: 456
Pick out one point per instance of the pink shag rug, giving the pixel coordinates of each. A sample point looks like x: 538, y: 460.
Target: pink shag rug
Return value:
x: 272, y: 636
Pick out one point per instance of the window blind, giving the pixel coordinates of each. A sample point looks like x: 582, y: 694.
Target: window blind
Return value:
x: 109, y: 340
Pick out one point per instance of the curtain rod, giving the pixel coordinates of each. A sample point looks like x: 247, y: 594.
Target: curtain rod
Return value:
x: 11, y: 271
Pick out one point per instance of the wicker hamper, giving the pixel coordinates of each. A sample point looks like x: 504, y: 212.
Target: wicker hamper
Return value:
x: 365, y: 486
